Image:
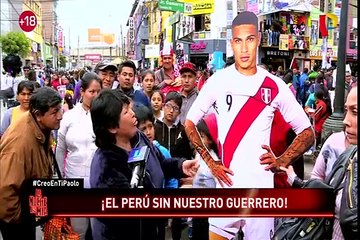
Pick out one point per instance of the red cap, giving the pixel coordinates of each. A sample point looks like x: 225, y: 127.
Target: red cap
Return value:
x: 188, y: 67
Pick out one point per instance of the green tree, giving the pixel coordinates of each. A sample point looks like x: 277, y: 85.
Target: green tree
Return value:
x: 62, y: 61
x: 15, y: 43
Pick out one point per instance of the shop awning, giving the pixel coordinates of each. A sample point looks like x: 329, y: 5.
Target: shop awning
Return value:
x: 300, y: 7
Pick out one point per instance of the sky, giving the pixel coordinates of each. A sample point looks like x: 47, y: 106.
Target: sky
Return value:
x: 77, y: 16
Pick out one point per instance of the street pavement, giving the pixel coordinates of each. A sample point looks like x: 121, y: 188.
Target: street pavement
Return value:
x: 308, y: 168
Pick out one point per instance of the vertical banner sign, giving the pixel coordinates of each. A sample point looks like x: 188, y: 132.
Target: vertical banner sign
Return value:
x: 131, y: 33
x: 27, y: 21
x: 60, y: 40
x: 229, y: 19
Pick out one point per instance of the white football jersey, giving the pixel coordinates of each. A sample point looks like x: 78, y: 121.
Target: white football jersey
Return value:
x: 246, y: 106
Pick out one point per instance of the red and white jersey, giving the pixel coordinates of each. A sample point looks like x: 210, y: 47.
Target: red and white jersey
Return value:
x: 246, y: 106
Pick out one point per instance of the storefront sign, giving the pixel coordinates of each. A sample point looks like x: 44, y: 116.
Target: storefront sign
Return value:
x: 197, y: 47
x: 277, y: 53
x: 172, y: 6
x: 203, y: 47
x: 93, y: 57
x: 152, y: 51
x: 317, y: 53
x: 202, y: 7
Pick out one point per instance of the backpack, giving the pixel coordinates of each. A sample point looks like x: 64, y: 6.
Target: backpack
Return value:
x: 348, y: 208
x: 315, y: 228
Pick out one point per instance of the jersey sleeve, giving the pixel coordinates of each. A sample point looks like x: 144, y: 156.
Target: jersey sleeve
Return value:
x: 203, y: 102
x: 292, y: 110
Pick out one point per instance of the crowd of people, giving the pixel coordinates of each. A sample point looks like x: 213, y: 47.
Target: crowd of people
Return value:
x: 197, y: 125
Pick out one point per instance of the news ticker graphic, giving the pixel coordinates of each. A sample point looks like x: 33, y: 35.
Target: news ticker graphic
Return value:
x: 76, y: 202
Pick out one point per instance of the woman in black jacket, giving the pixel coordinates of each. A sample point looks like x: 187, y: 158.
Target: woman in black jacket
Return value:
x: 114, y: 125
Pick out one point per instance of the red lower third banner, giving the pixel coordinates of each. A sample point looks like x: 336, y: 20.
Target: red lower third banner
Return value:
x: 78, y: 202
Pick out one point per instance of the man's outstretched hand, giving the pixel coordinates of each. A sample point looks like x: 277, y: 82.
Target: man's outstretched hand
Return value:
x: 220, y: 172
x: 270, y: 159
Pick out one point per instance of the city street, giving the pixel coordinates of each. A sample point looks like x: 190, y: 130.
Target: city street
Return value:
x: 157, y: 95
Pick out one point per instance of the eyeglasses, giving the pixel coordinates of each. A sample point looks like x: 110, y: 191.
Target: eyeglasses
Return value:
x: 174, y: 108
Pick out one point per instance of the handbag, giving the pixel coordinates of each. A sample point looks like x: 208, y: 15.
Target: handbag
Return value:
x: 59, y: 228
x: 315, y: 228
x: 348, y: 214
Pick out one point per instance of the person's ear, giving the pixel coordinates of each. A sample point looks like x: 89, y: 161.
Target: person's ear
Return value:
x: 112, y: 130
x: 37, y: 115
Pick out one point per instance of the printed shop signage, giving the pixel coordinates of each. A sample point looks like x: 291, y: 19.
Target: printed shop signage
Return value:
x: 277, y: 53
x: 198, y: 47
x: 200, y: 7
x: 317, y: 52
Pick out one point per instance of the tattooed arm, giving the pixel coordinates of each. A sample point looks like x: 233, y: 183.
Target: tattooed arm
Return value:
x: 218, y: 170
x: 301, y: 143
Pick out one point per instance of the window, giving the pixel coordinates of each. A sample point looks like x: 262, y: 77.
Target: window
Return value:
x: 199, y: 23
x: 353, y: 38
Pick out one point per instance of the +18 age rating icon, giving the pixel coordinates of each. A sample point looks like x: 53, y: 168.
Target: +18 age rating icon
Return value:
x: 27, y: 21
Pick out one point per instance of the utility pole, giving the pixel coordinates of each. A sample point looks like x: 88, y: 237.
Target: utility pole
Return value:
x: 122, y: 42
x: 334, y: 122
x: 110, y: 54
x: 78, y: 51
x: 69, y: 60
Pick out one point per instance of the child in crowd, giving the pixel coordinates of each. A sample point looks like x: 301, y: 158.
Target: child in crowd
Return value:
x: 68, y: 101
x: 169, y: 132
x: 148, y: 82
x: 145, y: 119
x: 320, y: 115
x: 207, y: 128
x: 157, y: 102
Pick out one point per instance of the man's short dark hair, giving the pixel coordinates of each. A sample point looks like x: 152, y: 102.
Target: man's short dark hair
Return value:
x: 105, y: 114
x: 174, y: 96
x: 245, y: 17
x: 129, y: 64
x: 43, y: 99
x: 143, y: 113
